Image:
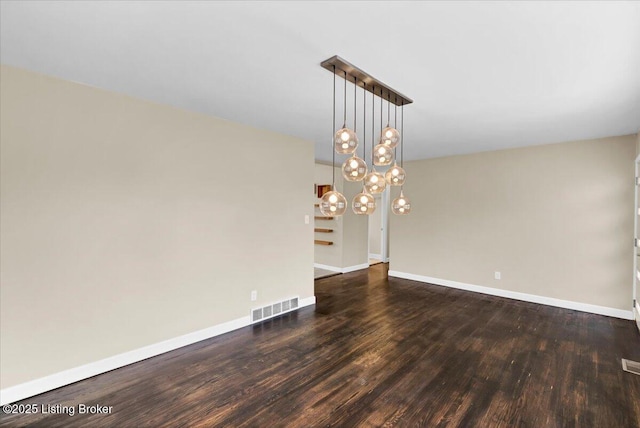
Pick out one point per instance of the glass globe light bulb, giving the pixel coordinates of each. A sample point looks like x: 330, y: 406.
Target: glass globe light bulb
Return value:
x: 382, y: 155
x: 401, y: 205
x: 333, y: 204
x: 395, y: 175
x: 354, y: 169
x: 390, y: 137
x: 374, y: 182
x: 345, y: 141
x: 363, y: 203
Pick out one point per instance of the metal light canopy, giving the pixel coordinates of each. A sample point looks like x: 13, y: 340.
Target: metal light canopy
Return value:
x: 363, y: 79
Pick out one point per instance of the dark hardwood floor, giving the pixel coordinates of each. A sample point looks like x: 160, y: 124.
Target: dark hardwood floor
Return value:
x: 379, y: 352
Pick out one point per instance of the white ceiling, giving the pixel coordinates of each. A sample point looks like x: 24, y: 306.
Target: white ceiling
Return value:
x: 483, y: 76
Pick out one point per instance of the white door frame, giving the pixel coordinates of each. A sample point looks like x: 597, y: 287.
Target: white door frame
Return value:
x: 384, y: 238
x: 636, y: 249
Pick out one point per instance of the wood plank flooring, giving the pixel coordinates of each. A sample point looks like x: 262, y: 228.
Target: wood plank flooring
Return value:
x: 379, y: 352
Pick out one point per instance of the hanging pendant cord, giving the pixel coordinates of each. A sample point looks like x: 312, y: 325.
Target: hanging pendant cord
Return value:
x: 395, y: 115
x: 333, y: 130
x: 373, y: 125
x: 381, y: 113
x: 402, y: 145
x: 395, y: 125
x: 364, y: 123
x: 355, y: 104
x: 402, y: 137
x: 388, y: 111
x: 345, y: 100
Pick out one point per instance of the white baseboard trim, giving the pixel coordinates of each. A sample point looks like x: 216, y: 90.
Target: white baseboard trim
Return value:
x: 307, y: 301
x: 327, y: 267
x: 66, y: 377
x: 355, y: 268
x: 375, y: 256
x: 342, y: 270
x: 549, y: 301
x: 636, y: 313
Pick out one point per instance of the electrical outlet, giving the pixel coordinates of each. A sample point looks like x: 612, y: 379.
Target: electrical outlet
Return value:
x: 254, y: 295
x: 306, y: 219
x: 497, y: 275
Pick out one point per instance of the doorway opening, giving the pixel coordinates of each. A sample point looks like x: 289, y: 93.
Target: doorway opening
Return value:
x: 378, y: 230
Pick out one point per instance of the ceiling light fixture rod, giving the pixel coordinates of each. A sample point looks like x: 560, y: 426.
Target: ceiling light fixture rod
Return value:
x: 350, y: 72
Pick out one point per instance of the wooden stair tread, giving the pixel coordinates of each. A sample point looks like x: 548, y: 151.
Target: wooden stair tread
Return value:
x: 320, y: 230
x: 319, y: 242
x: 319, y: 217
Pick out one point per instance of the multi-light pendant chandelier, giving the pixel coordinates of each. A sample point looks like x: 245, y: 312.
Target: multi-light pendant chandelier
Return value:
x: 345, y: 142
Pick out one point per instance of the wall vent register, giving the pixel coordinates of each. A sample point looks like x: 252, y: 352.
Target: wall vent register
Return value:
x: 273, y: 310
x: 631, y: 366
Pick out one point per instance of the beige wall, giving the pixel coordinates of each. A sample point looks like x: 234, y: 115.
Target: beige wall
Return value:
x: 355, y: 233
x: 329, y: 255
x: 349, y: 235
x: 125, y: 223
x: 638, y: 143
x: 555, y: 220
